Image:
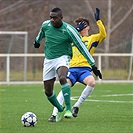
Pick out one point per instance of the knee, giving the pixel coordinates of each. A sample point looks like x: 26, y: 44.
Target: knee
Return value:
x: 62, y: 80
x: 92, y: 83
x: 48, y: 87
x: 48, y: 93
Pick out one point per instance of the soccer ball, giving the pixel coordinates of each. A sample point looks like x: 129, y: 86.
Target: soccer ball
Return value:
x: 29, y: 119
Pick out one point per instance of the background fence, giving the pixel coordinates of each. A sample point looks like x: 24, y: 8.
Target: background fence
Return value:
x: 14, y: 71
x: 21, y: 63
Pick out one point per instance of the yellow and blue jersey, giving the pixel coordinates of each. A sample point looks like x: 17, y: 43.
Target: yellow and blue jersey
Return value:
x: 91, y: 43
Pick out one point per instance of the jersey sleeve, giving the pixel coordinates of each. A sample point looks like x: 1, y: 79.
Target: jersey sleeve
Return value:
x: 40, y: 35
x: 102, y: 32
x: 80, y: 45
x: 95, y: 39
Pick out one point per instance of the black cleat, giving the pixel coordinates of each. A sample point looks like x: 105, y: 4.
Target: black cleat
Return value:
x: 75, y: 111
x: 52, y: 119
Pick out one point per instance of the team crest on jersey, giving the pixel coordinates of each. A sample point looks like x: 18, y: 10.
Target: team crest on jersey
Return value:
x: 63, y: 30
x: 85, y: 42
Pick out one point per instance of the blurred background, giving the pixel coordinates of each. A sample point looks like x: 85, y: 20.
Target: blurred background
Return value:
x: 28, y: 15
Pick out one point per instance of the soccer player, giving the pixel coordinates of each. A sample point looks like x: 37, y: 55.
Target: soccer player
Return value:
x: 80, y: 70
x: 58, y: 50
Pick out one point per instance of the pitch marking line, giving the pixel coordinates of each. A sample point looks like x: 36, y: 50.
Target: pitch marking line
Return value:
x: 114, y: 95
x: 75, y: 98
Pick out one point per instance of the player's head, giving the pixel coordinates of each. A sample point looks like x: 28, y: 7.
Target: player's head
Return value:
x: 56, y: 17
x: 80, y: 19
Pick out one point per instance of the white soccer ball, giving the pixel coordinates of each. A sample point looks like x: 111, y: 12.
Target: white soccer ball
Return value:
x: 29, y: 119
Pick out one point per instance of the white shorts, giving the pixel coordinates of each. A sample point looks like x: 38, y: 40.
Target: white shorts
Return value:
x: 50, y: 66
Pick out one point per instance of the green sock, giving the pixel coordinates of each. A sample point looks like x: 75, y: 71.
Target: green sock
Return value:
x: 55, y: 102
x: 66, y: 93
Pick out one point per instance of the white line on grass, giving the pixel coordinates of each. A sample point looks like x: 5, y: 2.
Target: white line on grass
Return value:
x: 75, y: 98
x: 113, y: 95
x: 107, y: 101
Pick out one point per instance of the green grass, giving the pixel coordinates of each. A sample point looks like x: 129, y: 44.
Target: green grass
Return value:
x: 102, y: 112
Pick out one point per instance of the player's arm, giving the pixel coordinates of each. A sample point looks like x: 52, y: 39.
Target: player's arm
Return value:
x: 83, y: 49
x: 80, y: 45
x: 102, y: 32
x: 38, y: 39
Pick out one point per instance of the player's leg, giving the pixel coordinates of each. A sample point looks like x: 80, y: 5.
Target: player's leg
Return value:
x: 49, y: 85
x: 49, y: 74
x: 52, y: 98
x: 71, y: 79
x: 89, y: 80
x: 60, y: 99
x: 62, y: 73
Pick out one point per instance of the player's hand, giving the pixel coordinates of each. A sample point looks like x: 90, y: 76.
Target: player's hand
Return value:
x: 97, y: 14
x: 81, y: 25
x: 96, y: 72
x: 36, y: 44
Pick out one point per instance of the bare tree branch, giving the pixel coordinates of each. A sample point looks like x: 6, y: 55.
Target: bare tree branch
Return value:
x: 122, y: 20
x: 89, y: 7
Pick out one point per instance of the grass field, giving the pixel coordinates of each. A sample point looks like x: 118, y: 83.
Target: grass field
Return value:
x: 109, y: 109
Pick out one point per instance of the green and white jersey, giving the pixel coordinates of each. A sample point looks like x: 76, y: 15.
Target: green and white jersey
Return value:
x: 58, y: 41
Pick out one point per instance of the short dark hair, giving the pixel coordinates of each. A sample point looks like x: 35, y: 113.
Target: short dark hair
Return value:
x: 79, y: 19
x: 56, y: 9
